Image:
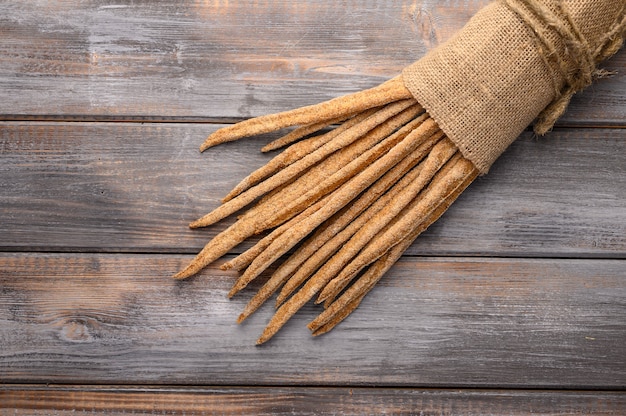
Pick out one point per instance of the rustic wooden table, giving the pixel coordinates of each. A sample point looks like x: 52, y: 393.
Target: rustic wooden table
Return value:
x: 514, y: 302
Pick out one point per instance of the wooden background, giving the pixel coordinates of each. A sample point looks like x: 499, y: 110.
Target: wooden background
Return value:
x: 514, y: 302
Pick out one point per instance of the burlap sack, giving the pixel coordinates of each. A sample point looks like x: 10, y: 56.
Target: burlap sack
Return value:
x: 514, y: 60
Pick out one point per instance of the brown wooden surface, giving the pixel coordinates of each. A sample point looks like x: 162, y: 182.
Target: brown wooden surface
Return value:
x: 129, y: 186
x: 125, y: 400
x: 513, y: 303
x: 437, y: 321
x: 214, y: 59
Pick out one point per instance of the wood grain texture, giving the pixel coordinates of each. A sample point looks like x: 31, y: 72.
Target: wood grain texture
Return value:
x: 437, y: 322
x: 513, y: 303
x: 135, y: 187
x: 124, y: 400
x: 207, y: 60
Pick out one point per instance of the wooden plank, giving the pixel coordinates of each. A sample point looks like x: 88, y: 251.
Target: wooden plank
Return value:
x: 435, y: 322
x: 135, y: 187
x: 123, y: 400
x: 220, y: 59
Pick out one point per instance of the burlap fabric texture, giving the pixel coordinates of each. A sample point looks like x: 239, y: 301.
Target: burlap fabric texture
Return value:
x: 515, y: 62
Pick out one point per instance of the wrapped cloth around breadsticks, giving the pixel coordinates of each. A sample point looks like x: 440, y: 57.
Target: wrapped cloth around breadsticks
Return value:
x: 363, y: 175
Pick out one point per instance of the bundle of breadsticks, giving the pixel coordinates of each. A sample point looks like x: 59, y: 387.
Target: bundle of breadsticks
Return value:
x: 361, y: 176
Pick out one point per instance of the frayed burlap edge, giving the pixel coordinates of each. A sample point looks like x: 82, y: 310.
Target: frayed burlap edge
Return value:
x: 498, y: 74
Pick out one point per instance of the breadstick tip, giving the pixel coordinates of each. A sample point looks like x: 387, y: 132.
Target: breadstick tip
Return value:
x: 262, y: 339
x: 205, y: 145
x: 183, y: 274
x: 226, y: 266
x: 196, y: 224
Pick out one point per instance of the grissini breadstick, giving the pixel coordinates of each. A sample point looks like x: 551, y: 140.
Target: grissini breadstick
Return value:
x: 514, y: 62
x: 319, y: 248
x: 371, y: 165
x: 387, y: 92
x: 235, y: 204
x: 451, y: 176
x: 293, y: 153
x: 435, y: 160
x: 340, y: 308
x: 312, y: 251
